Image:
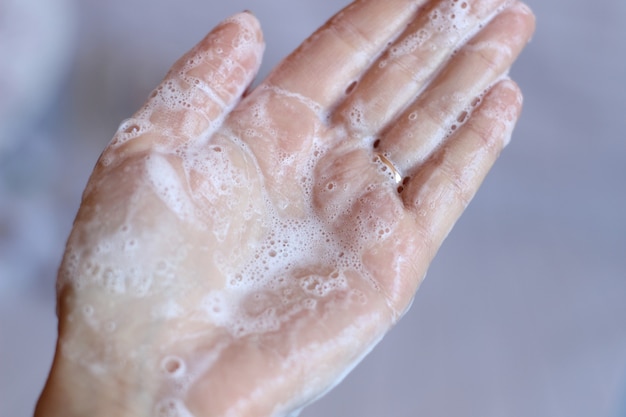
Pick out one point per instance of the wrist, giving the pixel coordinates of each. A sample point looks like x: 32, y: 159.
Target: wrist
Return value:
x: 74, y: 391
x: 88, y: 377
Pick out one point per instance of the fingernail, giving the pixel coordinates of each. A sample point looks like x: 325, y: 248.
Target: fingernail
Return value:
x: 507, y: 138
x: 512, y: 113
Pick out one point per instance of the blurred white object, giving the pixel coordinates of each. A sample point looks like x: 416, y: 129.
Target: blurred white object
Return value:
x: 35, y: 50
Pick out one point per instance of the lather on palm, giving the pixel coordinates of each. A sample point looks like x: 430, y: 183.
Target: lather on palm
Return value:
x: 237, y: 256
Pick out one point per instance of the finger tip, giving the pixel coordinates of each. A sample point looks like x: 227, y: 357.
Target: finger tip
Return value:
x: 528, y: 17
x: 512, y: 90
x: 509, y: 101
x: 249, y: 19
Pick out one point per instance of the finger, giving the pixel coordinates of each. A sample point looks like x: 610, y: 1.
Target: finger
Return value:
x: 447, y: 182
x: 444, y: 105
x: 201, y: 88
x: 407, y: 65
x: 325, y: 65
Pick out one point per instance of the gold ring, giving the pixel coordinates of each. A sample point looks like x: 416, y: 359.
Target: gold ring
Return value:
x: 394, y: 172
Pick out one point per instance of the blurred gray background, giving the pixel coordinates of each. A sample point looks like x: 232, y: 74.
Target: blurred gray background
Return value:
x: 523, y: 312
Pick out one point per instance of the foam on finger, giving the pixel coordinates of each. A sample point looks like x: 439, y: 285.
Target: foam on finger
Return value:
x: 410, y: 63
x: 199, y: 91
x: 255, y: 248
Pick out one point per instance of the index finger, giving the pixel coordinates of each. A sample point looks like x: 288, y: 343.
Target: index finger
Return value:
x: 330, y: 60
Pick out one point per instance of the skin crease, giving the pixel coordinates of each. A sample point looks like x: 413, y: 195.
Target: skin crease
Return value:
x: 237, y: 257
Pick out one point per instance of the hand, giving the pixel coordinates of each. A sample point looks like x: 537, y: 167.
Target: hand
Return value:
x: 238, y: 256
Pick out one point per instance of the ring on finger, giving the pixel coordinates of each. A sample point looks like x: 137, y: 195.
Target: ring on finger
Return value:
x: 394, y: 171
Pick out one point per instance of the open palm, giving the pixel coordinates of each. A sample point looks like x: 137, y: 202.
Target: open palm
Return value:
x: 241, y: 255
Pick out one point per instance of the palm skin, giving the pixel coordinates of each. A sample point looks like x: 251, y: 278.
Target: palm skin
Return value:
x: 237, y: 256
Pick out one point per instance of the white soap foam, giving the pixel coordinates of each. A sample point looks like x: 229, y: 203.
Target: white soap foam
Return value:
x: 171, y: 407
x: 289, y: 254
x: 504, y: 50
x: 173, y: 366
x: 410, y: 43
x: 167, y: 184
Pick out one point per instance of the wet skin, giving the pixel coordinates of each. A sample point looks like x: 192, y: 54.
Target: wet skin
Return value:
x: 237, y: 256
